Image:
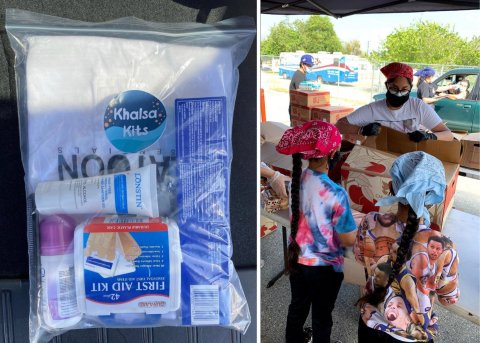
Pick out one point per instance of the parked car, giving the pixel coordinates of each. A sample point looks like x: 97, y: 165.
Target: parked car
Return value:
x: 461, y: 114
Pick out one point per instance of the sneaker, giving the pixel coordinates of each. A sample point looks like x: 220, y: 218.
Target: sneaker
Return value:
x: 307, y: 334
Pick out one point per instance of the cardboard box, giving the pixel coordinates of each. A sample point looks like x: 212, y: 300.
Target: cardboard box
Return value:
x: 273, y: 158
x: 471, y: 151
x: 353, y: 138
x: 301, y: 112
x: 309, y: 98
x: 330, y: 114
x: 296, y: 121
x: 398, y: 142
x: 271, y: 131
x: 459, y: 134
x: 366, y: 178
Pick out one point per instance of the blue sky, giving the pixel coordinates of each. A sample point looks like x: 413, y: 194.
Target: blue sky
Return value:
x: 371, y: 29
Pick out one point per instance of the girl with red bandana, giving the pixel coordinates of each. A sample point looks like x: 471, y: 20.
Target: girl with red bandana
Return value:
x: 321, y: 223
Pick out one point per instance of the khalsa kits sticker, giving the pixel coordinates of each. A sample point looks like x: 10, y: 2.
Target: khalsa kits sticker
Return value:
x: 134, y: 120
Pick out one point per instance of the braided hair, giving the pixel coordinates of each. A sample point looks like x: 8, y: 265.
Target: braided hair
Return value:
x: 293, y: 247
x: 403, y: 252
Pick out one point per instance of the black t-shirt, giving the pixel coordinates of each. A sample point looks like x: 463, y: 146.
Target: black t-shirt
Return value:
x: 297, y: 77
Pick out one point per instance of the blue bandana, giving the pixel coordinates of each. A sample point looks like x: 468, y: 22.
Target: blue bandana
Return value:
x: 425, y: 72
x: 418, y: 180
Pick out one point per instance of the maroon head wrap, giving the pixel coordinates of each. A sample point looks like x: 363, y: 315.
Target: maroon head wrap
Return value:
x: 397, y: 69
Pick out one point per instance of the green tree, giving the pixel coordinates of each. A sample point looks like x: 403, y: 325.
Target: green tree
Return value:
x: 315, y: 34
x: 470, y: 53
x: 429, y: 43
x: 282, y: 37
x: 352, y: 48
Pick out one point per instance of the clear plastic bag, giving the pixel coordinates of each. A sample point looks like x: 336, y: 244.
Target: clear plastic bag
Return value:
x: 126, y: 144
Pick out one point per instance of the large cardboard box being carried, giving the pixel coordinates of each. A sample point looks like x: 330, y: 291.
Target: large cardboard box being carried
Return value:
x: 309, y: 98
x: 365, y: 173
x: 471, y: 151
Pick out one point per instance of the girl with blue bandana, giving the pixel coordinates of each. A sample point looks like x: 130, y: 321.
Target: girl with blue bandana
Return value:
x: 419, y: 267
x: 426, y: 90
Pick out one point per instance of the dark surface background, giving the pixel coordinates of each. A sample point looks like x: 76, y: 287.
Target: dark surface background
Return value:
x: 13, y: 241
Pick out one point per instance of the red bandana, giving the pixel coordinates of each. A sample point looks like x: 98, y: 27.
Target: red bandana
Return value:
x: 314, y: 139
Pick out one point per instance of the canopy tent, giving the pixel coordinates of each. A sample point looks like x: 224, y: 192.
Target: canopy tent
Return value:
x: 339, y: 9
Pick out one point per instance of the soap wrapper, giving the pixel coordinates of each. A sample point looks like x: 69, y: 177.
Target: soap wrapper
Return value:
x: 127, y: 264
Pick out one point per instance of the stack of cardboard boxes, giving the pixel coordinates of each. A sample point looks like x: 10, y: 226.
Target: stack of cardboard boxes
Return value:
x: 315, y: 105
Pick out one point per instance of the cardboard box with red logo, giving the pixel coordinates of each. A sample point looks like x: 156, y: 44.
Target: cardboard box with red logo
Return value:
x: 296, y: 121
x: 301, y: 112
x: 330, y: 114
x: 365, y: 173
x: 309, y: 98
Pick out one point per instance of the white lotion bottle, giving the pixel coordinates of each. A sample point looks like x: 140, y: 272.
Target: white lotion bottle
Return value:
x: 130, y: 192
x: 59, y: 300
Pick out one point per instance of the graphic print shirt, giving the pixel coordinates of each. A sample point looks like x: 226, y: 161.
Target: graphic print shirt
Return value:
x: 324, y: 213
x: 428, y: 276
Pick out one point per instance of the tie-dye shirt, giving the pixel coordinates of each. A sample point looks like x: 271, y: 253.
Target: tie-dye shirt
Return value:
x: 324, y: 213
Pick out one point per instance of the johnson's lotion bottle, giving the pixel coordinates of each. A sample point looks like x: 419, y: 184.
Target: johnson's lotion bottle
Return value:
x: 59, y: 300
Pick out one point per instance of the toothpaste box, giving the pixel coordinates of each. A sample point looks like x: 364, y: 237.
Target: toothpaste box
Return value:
x: 203, y: 158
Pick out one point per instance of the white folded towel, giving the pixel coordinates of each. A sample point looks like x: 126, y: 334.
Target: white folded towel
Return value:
x: 71, y: 79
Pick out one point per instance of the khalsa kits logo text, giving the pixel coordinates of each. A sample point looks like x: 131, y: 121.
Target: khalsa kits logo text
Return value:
x: 134, y: 120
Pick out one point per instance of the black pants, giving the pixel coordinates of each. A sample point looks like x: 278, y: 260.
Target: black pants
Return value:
x: 317, y: 286
x: 369, y: 335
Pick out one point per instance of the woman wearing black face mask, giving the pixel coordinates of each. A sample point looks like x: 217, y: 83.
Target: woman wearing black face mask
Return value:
x: 398, y: 111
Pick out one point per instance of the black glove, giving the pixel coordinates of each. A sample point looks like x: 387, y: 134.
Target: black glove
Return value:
x: 418, y: 136
x: 372, y: 129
